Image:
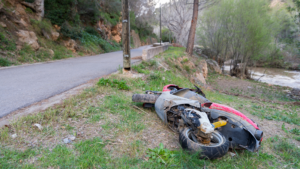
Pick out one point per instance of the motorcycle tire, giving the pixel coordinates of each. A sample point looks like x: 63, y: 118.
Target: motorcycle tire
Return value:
x: 218, y: 148
x: 145, y: 98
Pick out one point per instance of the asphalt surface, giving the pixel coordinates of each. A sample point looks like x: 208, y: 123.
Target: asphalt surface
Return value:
x: 22, y: 86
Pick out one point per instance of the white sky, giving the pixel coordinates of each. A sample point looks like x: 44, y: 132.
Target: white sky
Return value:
x: 162, y: 2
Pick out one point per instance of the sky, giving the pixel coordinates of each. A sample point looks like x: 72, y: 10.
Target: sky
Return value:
x: 162, y: 2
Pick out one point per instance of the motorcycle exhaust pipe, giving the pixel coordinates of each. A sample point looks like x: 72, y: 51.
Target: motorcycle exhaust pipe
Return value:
x: 145, y: 98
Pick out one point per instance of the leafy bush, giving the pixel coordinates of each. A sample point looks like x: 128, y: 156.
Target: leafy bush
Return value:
x: 71, y: 32
x: 92, y: 40
x: 6, y: 44
x: 5, y: 62
x: 59, y: 11
x: 114, y: 83
x: 43, y: 25
x: 91, y: 30
x: 295, y: 131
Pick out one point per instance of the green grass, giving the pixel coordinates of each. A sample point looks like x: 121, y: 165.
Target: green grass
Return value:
x: 6, y: 43
x: 106, y: 110
x: 5, y: 62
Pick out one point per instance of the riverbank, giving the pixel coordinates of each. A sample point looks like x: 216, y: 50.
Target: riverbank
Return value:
x: 102, y: 128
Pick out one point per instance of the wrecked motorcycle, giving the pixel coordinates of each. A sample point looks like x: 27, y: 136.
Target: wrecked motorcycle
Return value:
x: 204, y: 127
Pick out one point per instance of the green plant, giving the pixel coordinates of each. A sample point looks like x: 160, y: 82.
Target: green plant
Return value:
x: 5, y: 62
x: 161, y: 155
x: 41, y: 26
x: 187, y: 68
x: 185, y: 60
x: 295, y: 131
x: 93, y: 42
x: 72, y: 32
x: 114, y: 83
x: 6, y: 44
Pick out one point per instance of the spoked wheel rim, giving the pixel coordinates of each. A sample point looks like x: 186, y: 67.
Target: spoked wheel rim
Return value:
x: 216, y: 140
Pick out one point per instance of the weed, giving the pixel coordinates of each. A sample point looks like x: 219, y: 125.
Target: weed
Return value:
x: 5, y: 62
x: 29, y: 10
x: 6, y: 44
x: 295, y: 131
x: 187, y: 68
x: 161, y: 155
x: 283, y: 128
x: 114, y: 83
x: 185, y: 60
x: 287, y: 151
x: 120, y: 69
x: 41, y: 27
x: 15, y: 159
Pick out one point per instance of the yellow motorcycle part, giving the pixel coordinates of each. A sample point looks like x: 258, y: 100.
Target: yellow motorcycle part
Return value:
x: 220, y: 123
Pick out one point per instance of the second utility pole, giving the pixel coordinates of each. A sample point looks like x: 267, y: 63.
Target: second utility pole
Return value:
x: 160, y: 26
x: 126, y: 35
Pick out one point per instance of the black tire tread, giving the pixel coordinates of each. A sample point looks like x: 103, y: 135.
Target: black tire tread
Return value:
x: 204, y: 151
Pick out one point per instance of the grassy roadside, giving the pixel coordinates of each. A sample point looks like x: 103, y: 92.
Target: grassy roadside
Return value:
x: 113, y: 132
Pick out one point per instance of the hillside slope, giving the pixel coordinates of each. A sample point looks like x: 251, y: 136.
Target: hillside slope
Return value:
x: 68, y: 29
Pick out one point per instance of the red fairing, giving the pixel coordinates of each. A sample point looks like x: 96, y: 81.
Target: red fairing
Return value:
x: 165, y: 89
x: 230, y: 110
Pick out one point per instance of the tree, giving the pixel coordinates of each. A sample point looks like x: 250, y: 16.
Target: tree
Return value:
x: 176, y: 17
x: 191, y: 40
x: 37, y: 6
x: 196, y: 8
x: 239, y: 29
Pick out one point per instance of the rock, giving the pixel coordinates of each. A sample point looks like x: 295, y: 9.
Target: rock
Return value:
x: 28, y: 37
x: 20, y: 10
x: 1, y: 5
x: 232, y: 154
x: 54, y: 35
x: 214, y: 65
x: 136, y: 39
x: 198, y: 49
x: 46, y: 34
x: 51, y: 52
x: 204, y: 69
x: 67, y: 141
x: 72, y: 138
x: 295, y: 92
x: 40, y: 127
x: 3, y: 24
x: 199, y: 79
x: 14, y: 136
x: 12, y: 2
x: 71, y: 45
x: 57, y: 27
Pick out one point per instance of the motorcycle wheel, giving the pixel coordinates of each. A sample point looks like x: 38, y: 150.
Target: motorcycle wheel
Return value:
x: 145, y: 98
x: 217, y: 148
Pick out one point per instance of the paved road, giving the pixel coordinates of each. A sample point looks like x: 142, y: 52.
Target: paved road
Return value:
x: 24, y: 85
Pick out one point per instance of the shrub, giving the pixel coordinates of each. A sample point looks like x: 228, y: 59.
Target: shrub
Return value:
x: 6, y: 44
x: 5, y: 62
x: 114, y: 83
x: 43, y: 25
x: 59, y: 11
x: 92, y: 40
x: 71, y: 32
x: 91, y: 31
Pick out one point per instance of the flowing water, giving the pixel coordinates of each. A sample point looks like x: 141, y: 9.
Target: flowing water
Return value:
x: 275, y: 76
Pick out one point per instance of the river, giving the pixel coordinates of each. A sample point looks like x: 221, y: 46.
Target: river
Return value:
x: 275, y: 76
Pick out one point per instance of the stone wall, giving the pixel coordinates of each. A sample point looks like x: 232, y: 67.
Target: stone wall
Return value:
x: 150, y: 52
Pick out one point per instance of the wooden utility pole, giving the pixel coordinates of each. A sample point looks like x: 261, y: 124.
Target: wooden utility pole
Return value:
x: 191, y: 40
x: 126, y: 35
x: 160, y: 26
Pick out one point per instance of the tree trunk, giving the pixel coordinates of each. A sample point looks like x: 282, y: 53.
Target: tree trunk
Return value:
x: 190, y: 44
x: 38, y: 6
